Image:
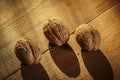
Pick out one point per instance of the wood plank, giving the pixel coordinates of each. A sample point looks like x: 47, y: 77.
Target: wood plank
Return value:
x: 14, y: 9
x: 27, y: 19
x: 108, y: 24
x: 109, y: 27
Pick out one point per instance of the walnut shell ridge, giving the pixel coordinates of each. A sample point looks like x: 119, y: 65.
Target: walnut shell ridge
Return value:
x: 27, y: 52
x: 88, y: 37
x: 56, y: 32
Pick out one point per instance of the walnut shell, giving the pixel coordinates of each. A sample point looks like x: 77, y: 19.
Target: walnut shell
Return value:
x: 56, y: 32
x: 27, y: 52
x: 88, y: 37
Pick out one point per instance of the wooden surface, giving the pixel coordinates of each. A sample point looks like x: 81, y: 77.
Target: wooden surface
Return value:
x: 23, y: 18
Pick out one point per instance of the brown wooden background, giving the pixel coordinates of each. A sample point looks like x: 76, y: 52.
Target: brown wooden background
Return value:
x: 26, y: 18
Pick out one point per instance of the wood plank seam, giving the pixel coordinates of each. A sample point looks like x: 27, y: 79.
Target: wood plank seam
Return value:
x: 70, y: 35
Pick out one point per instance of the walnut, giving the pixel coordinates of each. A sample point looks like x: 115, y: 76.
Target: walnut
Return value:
x: 56, y: 32
x: 27, y: 52
x: 88, y: 37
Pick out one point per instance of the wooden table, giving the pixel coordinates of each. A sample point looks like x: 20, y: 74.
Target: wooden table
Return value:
x: 23, y: 18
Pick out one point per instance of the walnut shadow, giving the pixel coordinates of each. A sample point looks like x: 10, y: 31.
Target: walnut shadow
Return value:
x: 65, y: 59
x: 34, y: 72
x: 97, y: 65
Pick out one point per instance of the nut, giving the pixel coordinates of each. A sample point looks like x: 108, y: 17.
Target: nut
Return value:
x: 56, y: 32
x: 88, y: 37
x: 27, y: 52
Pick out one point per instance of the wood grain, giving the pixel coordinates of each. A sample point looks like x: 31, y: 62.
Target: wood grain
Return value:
x: 20, y: 18
x: 109, y: 27
x: 111, y: 21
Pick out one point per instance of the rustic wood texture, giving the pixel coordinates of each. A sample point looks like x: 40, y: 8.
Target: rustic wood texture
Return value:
x: 109, y: 27
x: 22, y: 18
